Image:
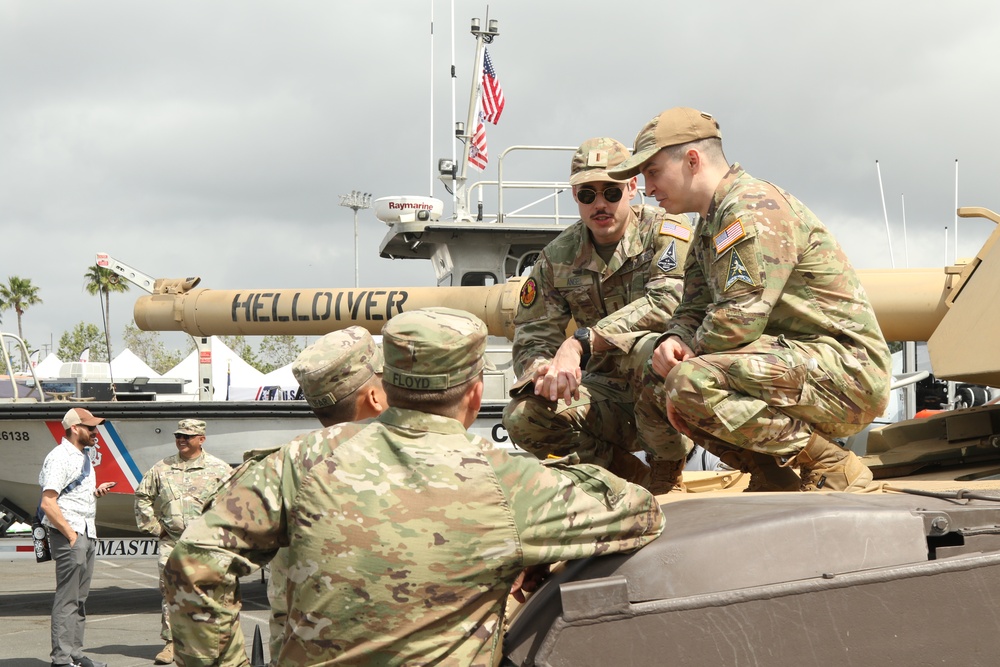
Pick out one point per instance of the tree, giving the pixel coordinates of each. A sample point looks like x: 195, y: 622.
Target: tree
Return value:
x: 276, y: 351
x: 73, y: 343
x: 147, y: 346
x: 241, y: 347
x: 103, y: 282
x: 17, y: 295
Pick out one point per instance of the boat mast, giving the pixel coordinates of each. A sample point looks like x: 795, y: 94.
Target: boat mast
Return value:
x: 465, y: 133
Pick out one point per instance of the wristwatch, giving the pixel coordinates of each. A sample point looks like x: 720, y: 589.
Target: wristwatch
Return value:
x: 583, y: 336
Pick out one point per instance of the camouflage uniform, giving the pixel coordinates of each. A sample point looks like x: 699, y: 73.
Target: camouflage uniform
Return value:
x: 622, y: 300
x: 405, y: 532
x: 786, y: 339
x: 328, y: 371
x: 173, y: 493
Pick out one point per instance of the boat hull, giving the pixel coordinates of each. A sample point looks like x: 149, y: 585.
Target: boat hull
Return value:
x: 136, y: 435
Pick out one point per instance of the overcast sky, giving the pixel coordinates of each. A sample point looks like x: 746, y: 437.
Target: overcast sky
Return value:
x: 213, y: 138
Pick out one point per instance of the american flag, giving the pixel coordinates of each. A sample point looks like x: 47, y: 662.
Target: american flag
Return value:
x: 478, y: 157
x: 492, y: 92
x: 729, y: 236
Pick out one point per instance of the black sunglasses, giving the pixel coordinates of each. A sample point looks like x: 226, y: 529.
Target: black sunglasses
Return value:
x: 611, y: 194
x: 183, y: 436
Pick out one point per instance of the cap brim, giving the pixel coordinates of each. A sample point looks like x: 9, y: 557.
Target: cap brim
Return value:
x: 96, y: 421
x: 633, y: 164
x: 596, y: 176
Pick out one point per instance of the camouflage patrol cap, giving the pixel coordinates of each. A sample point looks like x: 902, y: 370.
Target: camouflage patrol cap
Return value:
x: 673, y: 127
x: 333, y: 367
x: 190, y: 427
x: 433, y: 348
x: 594, y: 158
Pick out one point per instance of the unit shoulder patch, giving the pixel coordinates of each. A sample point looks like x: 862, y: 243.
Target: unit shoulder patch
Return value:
x: 738, y: 272
x: 529, y: 291
x: 668, y: 259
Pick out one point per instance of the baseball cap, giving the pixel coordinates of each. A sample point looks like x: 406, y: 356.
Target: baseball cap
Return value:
x: 594, y: 158
x: 80, y: 416
x: 433, y: 348
x: 673, y: 127
x: 335, y: 366
x: 191, y: 427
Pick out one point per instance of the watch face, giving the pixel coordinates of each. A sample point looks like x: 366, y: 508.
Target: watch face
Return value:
x: 38, y: 532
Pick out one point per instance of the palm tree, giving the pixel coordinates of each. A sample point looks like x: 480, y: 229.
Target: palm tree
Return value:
x: 17, y: 295
x: 103, y: 282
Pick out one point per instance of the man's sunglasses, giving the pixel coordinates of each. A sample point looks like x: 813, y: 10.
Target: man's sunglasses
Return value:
x: 183, y: 436
x: 588, y: 195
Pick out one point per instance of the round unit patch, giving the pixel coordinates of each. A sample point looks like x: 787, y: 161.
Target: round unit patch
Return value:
x: 528, y: 292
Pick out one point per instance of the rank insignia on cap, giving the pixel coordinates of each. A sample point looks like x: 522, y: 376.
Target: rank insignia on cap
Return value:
x: 528, y: 292
x: 668, y: 260
x: 597, y: 158
x: 669, y: 228
x: 737, y: 272
x: 728, y: 236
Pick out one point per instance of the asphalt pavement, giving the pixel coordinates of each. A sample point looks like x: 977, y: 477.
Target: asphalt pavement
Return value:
x: 123, y: 612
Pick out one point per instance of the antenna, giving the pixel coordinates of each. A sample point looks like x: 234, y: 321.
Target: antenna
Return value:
x: 956, y: 210
x: 885, y: 213
x: 906, y: 247
x: 430, y: 179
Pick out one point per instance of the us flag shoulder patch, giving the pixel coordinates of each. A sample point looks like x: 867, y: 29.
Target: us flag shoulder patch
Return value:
x: 669, y: 228
x: 728, y: 236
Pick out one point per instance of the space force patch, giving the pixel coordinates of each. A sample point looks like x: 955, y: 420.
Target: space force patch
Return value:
x: 737, y: 272
x: 668, y: 260
x: 529, y: 291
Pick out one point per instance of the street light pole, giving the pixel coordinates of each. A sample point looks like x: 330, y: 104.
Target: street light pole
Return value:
x: 357, y: 200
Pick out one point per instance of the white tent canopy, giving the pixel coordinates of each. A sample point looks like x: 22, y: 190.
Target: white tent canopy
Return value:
x: 230, y: 374
x: 128, y: 366
x: 48, y: 367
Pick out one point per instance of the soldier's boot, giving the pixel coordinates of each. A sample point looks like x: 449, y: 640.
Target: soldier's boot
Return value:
x: 629, y: 467
x: 766, y: 474
x: 825, y: 465
x: 166, y: 656
x: 666, y: 476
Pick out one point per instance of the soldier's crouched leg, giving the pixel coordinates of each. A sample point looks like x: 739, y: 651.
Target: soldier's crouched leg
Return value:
x: 592, y: 426
x: 666, y: 449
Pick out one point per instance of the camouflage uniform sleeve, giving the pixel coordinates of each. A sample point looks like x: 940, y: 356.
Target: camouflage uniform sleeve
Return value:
x: 694, y: 303
x: 242, y: 528
x: 565, y: 512
x: 542, y: 317
x: 746, y: 292
x: 145, y: 514
x: 668, y: 237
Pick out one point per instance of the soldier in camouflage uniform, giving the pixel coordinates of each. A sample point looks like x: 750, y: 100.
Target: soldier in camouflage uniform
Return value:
x: 617, y: 273
x: 774, y: 348
x: 171, y: 494
x: 405, y: 532
x: 341, y: 379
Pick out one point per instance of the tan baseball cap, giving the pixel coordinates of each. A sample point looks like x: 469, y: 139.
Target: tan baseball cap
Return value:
x: 433, y: 348
x: 191, y: 427
x: 80, y: 416
x: 673, y: 127
x: 594, y: 158
x: 335, y: 366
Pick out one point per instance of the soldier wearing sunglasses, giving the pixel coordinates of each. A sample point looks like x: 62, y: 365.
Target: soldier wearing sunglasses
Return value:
x: 617, y: 274
x: 171, y: 495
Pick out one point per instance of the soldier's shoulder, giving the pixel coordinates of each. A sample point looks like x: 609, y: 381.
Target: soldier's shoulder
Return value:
x: 564, y: 248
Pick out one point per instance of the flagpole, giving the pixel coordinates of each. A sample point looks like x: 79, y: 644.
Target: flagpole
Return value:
x: 461, y: 210
x: 430, y: 179
x: 454, y: 101
x: 885, y: 213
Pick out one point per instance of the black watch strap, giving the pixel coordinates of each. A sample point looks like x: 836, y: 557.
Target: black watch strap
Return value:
x: 583, y: 335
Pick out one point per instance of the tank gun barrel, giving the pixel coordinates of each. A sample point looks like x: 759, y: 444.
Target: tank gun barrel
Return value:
x: 301, y: 312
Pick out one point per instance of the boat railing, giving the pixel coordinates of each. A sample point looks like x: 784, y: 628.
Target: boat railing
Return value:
x: 529, y: 212
x: 8, y: 366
